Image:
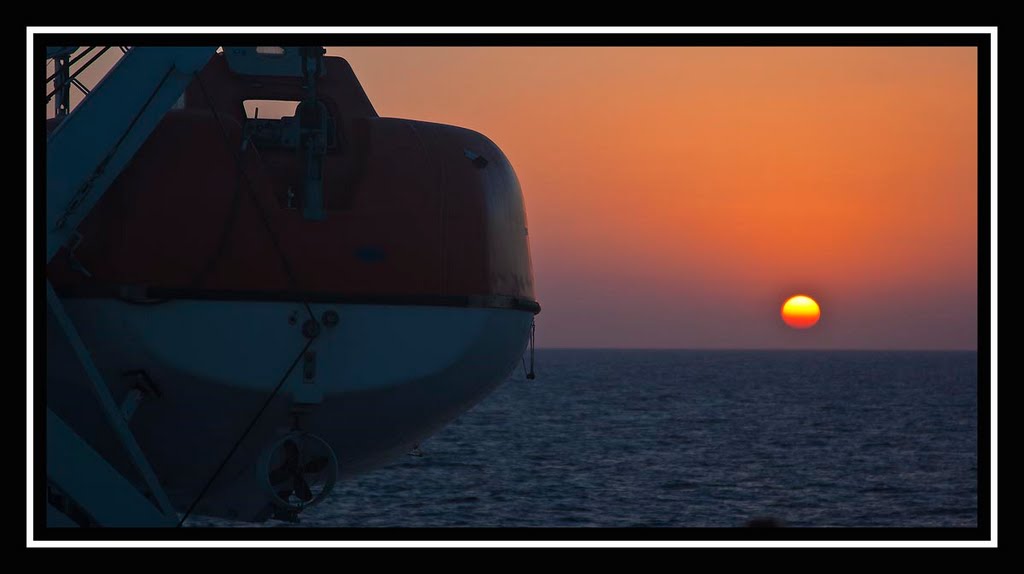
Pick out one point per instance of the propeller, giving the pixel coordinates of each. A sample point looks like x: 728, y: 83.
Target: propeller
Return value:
x: 293, y: 469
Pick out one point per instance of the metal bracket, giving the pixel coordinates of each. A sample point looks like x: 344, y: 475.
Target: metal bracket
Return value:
x: 108, y: 407
x: 73, y: 242
x: 62, y: 84
x: 307, y: 392
x: 142, y: 388
x: 313, y: 125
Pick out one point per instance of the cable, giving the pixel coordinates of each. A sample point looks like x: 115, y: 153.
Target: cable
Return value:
x: 533, y: 338
x: 291, y: 278
x: 221, y: 247
x: 232, y: 218
x: 211, y: 263
x: 245, y: 433
x: 252, y: 195
x: 225, y: 235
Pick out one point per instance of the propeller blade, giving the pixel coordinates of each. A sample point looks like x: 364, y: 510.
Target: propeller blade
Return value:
x: 291, y: 461
x: 292, y: 470
x: 280, y: 475
x: 302, y: 489
x: 315, y: 465
x: 290, y: 448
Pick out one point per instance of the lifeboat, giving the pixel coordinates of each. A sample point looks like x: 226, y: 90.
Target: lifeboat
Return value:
x: 270, y: 296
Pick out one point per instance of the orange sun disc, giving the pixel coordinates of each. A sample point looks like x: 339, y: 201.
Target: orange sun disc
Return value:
x: 800, y: 312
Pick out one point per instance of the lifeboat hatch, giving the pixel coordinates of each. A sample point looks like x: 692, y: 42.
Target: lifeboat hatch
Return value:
x: 278, y: 61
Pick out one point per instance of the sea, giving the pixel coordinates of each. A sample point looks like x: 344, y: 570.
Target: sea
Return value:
x: 676, y: 438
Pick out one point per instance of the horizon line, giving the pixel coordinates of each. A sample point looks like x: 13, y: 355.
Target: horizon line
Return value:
x: 842, y: 349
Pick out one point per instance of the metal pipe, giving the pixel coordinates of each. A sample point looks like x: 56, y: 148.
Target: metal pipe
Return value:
x: 78, y: 84
x: 72, y: 61
x: 84, y: 66
x: 61, y: 86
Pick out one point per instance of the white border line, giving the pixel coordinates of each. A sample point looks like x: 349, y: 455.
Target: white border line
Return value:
x: 512, y: 30
x: 29, y: 274
x: 32, y: 30
x: 512, y: 544
x: 993, y: 196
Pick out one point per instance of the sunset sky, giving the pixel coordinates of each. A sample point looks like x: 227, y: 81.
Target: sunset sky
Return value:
x: 678, y: 196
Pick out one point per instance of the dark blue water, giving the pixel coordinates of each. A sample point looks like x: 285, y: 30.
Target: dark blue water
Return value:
x: 694, y: 439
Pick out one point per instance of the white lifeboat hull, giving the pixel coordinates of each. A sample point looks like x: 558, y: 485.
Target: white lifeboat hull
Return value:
x: 383, y: 379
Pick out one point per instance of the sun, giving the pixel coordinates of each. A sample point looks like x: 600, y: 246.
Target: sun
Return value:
x: 801, y: 312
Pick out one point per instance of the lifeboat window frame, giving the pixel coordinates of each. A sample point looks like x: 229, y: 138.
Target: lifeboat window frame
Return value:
x: 257, y: 102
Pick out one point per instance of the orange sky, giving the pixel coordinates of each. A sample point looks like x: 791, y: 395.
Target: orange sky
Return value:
x: 677, y: 196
